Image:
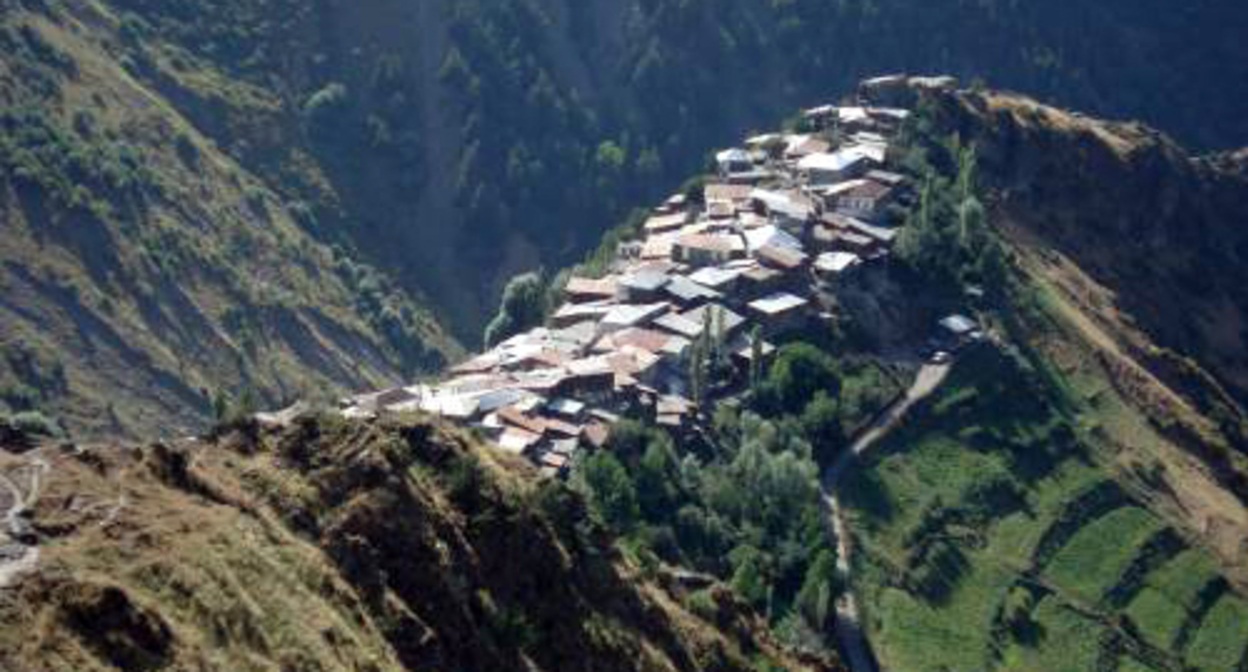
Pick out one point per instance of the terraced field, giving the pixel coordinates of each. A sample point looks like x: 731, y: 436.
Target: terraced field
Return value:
x: 1219, y: 643
x: 1098, y: 556
x: 1173, y: 599
x: 1009, y: 548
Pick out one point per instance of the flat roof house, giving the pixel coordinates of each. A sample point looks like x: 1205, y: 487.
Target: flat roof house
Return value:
x: 575, y: 313
x: 586, y: 290
x: 631, y: 315
x: 665, y: 223
x: 959, y: 330
x: 786, y: 209
x: 769, y: 236
x: 743, y: 353
x: 568, y: 409
x: 643, y: 286
x: 854, y: 118
x: 649, y: 340
x: 875, y: 153
x: 722, y: 280
x: 779, y: 313
x: 761, y: 281
x: 679, y: 325
x: 734, y: 161
x: 831, y: 168
x: 805, y: 145
x: 688, y: 294
x: 886, y: 177
x: 883, y: 236
x: 848, y: 241
x: 784, y: 259
x: 836, y: 265
x: 708, y: 249
x: 590, y: 379
x: 658, y: 247
x: 732, y: 193
x: 866, y: 200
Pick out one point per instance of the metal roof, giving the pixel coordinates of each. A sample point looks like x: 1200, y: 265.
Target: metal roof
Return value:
x: 778, y: 303
x: 959, y: 324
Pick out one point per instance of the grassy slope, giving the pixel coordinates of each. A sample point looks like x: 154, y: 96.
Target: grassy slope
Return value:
x: 1116, y: 535
x: 342, y: 546
x: 942, y: 558
x: 131, y: 306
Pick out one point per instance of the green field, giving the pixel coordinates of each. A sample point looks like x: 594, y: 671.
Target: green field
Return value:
x: 1157, y: 617
x: 950, y: 521
x: 954, y: 635
x: 1220, y: 642
x: 1092, y: 562
x: 1169, y: 596
x: 1068, y: 641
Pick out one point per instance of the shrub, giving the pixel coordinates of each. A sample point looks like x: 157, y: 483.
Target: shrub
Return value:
x: 610, y: 490
x: 20, y: 397
x: 325, y: 112
x: 523, y: 307
x: 36, y: 423
x: 702, y: 604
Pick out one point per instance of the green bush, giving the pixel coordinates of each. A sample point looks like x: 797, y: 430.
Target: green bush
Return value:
x: 35, y: 423
x: 326, y: 112
x: 523, y: 307
x: 610, y: 490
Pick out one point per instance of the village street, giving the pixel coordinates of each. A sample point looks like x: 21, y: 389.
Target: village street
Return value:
x: 848, y: 617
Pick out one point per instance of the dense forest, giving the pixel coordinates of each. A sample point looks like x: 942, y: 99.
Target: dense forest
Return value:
x: 445, y: 138
x: 565, y: 126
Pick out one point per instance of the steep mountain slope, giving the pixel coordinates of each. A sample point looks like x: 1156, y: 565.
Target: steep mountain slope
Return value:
x: 450, y: 144
x: 1076, y: 500
x: 334, y: 545
x: 145, y: 272
x: 1162, y: 232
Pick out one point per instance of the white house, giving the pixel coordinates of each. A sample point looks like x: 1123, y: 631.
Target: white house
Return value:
x: 733, y: 161
x: 835, y: 167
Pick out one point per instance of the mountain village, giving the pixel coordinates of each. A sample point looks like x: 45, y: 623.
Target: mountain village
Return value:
x: 689, y: 313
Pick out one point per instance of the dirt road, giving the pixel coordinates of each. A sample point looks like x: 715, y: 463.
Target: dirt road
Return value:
x: 848, y: 624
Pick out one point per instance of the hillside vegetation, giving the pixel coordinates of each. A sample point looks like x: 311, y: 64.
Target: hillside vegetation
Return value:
x: 345, y: 546
x: 1075, y: 500
x: 243, y: 166
x: 148, y: 279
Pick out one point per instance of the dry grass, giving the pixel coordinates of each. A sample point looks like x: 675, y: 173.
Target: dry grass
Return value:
x: 1093, y: 343
x: 332, y: 546
x: 148, y: 325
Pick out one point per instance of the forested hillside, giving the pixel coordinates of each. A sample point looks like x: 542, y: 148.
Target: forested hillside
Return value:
x: 148, y: 280
x: 292, y: 155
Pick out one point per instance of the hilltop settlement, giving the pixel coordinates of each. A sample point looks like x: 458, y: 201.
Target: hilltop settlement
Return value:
x: 690, y: 310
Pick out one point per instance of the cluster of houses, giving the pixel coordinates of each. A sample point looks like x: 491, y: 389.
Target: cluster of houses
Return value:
x: 787, y: 218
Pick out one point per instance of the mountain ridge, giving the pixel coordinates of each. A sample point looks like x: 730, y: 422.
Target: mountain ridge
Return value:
x: 532, y: 125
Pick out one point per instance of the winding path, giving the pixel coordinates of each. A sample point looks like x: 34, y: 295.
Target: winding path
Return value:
x: 17, y: 556
x: 848, y: 617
